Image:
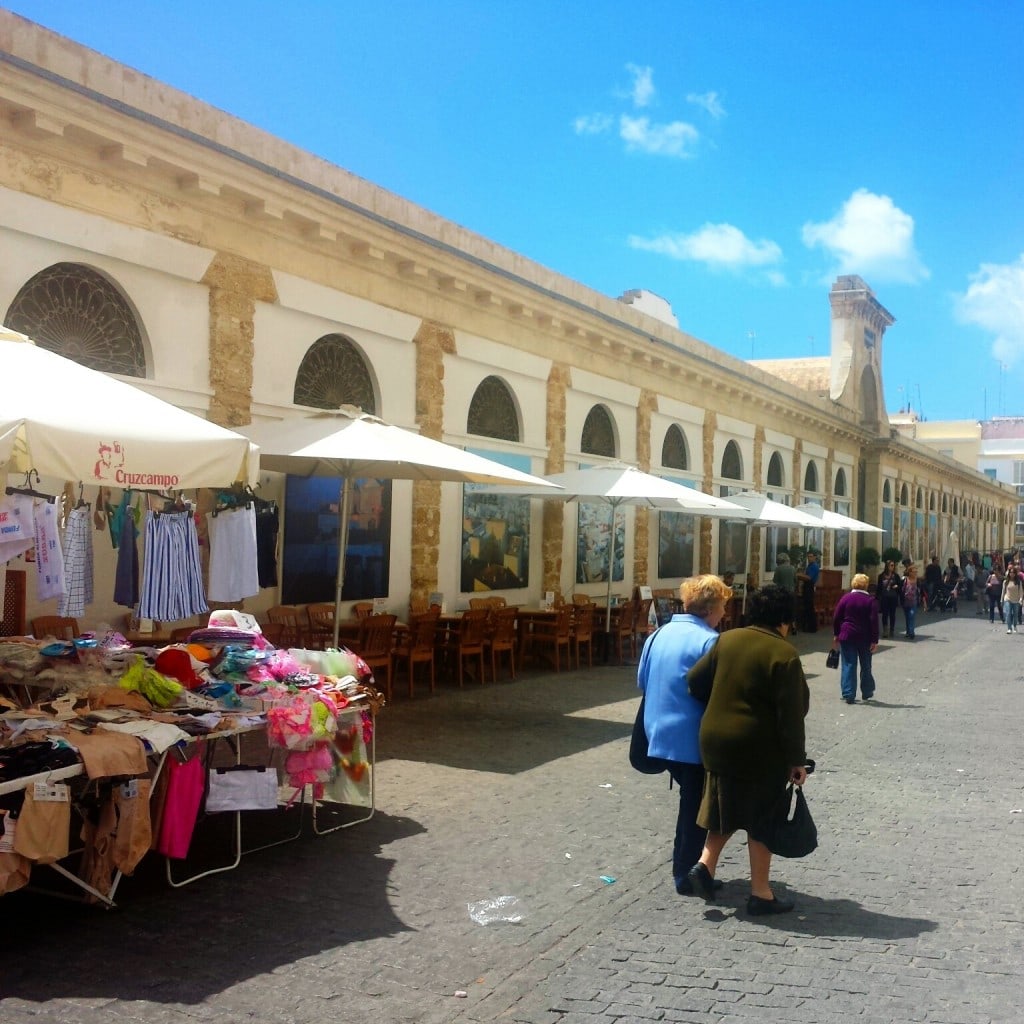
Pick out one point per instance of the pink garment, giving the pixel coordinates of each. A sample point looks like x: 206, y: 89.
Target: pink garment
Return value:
x: 185, y: 785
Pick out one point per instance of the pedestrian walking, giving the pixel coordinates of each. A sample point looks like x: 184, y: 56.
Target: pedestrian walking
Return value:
x: 1011, y: 599
x: 855, y: 636
x: 911, y: 596
x: 751, y: 739
x: 672, y: 717
x: 809, y: 579
x: 994, y: 594
x: 889, y: 591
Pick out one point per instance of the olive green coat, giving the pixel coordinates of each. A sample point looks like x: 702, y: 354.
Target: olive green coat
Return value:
x: 757, y: 698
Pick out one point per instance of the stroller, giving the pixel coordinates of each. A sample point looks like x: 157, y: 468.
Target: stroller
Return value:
x: 946, y: 596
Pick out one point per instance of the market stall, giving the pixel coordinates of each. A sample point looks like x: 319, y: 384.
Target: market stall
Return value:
x: 110, y: 753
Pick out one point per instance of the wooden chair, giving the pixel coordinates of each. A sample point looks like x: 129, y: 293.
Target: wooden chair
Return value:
x: 362, y: 609
x: 59, y: 626
x: 623, y: 630
x: 642, y: 627
x: 581, y: 599
x: 583, y: 632
x: 272, y: 632
x: 376, y: 641
x: 552, y: 635
x: 320, y: 628
x: 501, y: 639
x: 293, y: 620
x: 417, y: 647
x: 468, y: 641
x: 476, y: 603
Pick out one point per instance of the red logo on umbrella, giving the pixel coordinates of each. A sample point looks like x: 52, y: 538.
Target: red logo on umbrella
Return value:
x: 111, y: 459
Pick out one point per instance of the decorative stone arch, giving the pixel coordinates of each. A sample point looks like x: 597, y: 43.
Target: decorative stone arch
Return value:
x: 598, y: 436
x: 732, y: 462
x: 334, y: 372
x: 674, y: 452
x: 840, y: 485
x: 869, y: 401
x: 494, y: 412
x: 811, y: 477
x: 82, y: 314
x: 776, y: 475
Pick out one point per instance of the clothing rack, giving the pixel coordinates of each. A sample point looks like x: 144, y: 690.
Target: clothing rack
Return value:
x: 28, y: 490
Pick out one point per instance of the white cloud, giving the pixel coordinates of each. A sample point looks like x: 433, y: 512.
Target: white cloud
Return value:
x: 872, y: 237
x: 720, y: 247
x: 677, y: 138
x: 642, y: 91
x: 709, y: 102
x: 994, y: 301
x: 592, y: 124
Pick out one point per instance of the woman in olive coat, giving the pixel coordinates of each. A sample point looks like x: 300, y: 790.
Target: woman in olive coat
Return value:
x: 751, y: 738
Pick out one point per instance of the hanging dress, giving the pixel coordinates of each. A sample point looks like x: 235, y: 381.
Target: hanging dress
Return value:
x: 172, y: 577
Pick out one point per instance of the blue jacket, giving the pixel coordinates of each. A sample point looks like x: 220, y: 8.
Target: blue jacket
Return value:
x: 671, y: 716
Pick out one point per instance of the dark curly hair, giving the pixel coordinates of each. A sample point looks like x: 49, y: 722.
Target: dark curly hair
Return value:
x: 770, y: 606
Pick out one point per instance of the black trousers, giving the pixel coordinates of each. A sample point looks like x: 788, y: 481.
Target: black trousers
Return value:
x: 689, y: 841
x: 810, y: 623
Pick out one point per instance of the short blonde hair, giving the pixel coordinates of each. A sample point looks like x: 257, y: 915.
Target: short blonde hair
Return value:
x: 860, y: 582
x: 700, y: 594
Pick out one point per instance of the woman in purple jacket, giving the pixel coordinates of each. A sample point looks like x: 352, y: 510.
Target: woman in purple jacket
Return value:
x: 855, y: 636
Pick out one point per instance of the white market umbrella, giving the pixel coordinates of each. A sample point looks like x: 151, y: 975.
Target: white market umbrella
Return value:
x: 64, y: 420
x: 759, y: 511
x: 617, y: 484
x: 837, y: 521
x: 352, y: 445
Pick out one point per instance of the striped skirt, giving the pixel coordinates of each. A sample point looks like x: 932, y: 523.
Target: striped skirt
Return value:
x: 172, y: 577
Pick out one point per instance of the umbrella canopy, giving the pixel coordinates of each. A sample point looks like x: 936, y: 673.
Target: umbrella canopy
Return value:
x: 836, y: 521
x: 619, y: 484
x: 352, y: 445
x: 65, y: 420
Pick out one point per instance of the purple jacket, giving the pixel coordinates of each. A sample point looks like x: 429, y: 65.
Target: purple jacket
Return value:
x: 856, y: 619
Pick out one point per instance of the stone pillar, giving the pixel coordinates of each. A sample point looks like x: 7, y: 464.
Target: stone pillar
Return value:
x: 553, y: 523
x: 433, y: 341
x: 647, y: 404
x: 235, y: 285
x: 828, y: 552
x: 756, y: 476
x: 707, y: 485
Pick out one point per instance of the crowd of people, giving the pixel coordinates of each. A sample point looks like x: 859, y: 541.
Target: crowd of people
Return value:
x: 725, y: 713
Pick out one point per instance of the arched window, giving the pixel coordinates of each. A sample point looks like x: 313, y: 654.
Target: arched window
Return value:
x: 598, y: 433
x: 886, y: 493
x: 956, y: 507
x: 919, y: 499
x: 811, y: 477
x: 78, y: 313
x: 905, y: 496
x: 673, y: 449
x: 931, y: 502
x: 732, y: 462
x: 776, y: 471
x: 334, y: 373
x: 841, y: 483
x: 945, y: 504
x: 492, y: 412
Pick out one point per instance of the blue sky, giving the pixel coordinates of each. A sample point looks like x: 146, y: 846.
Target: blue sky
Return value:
x: 730, y: 157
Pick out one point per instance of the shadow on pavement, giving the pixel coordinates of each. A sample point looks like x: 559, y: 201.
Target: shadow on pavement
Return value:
x: 827, y: 918
x: 514, y: 726
x: 181, y: 946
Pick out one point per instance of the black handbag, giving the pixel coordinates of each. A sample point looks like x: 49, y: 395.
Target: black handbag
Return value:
x: 789, y: 829
x: 832, y: 660
x: 639, y: 758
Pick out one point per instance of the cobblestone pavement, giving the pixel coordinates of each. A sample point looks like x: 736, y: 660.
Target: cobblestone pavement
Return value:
x: 910, y: 910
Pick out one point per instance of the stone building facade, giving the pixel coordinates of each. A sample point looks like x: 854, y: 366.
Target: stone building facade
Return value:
x: 152, y: 236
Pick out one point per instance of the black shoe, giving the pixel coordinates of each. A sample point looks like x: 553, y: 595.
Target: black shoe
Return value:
x: 866, y: 699
x: 684, y: 888
x: 701, y: 882
x: 759, y: 907
x: 850, y: 700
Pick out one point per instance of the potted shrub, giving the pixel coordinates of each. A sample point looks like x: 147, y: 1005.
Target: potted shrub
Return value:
x: 868, y: 558
x: 892, y: 554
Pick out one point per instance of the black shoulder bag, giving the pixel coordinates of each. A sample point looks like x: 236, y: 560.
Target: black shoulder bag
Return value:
x: 789, y: 829
x: 639, y: 757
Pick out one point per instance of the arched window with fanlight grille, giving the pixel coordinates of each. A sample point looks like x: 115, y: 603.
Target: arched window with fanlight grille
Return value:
x: 495, y: 528
x: 333, y: 373
x: 79, y: 313
x: 593, y: 535
x: 677, y: 531
x: 732, y: 537
x: 598, y: 436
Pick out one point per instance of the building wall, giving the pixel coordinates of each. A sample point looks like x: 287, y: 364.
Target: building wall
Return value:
x: 238, y: 251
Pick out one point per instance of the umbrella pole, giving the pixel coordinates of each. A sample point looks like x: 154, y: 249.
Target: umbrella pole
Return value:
x: 746, y: 574
x: 344, y: 504
x: 611, y: 564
